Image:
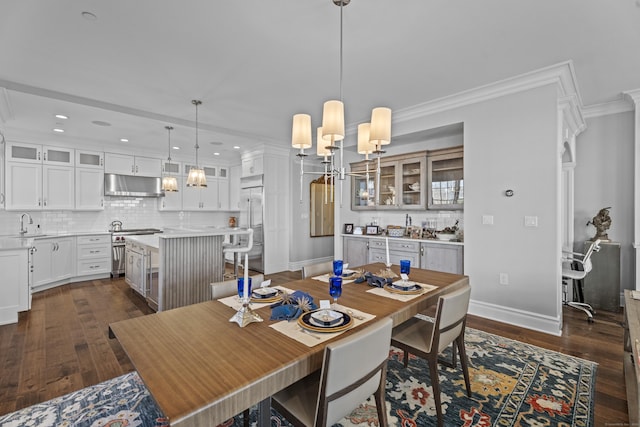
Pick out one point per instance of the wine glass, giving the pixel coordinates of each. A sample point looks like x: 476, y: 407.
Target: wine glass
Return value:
x: 337, y: 267
x: 335, y: 289
x: 405, y: 268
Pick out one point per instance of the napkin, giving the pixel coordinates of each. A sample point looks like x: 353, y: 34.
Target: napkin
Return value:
x: 377, y: 281
x: 291, y: 308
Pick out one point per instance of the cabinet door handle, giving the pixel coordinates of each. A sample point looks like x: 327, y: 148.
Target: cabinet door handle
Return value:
x: 421, y: 250
x: 45, y: 202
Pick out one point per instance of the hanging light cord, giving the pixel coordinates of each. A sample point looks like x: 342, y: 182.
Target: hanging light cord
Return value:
x: 341, y: 55
x: 168, y: 128
x: 196, y: 103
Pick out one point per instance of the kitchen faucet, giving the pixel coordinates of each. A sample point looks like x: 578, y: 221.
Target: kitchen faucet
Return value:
x: 23, y: 229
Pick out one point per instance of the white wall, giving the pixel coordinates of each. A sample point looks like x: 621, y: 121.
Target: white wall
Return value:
x: 604, y: 177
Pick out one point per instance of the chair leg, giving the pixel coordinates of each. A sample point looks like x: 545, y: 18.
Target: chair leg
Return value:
x: 245, y: 418
x: 380, y: 397
x: 588, y: 310
x: 463, y: 361
x: 405, y: 358
x: 435, y: 385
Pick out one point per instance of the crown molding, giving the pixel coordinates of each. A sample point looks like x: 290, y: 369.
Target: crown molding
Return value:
x: 562, y: 75
x: 633, y: 95
x: 606, y: 108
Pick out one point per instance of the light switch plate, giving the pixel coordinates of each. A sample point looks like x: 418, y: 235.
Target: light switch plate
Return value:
x: 530, y: 221
x: 487, y: 219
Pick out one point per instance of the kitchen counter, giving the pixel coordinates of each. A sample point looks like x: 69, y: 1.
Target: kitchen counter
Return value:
x: 16, y: 241
x: 369, y: 236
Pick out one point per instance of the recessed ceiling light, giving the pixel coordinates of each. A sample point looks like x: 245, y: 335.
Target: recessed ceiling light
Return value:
x: 216, y: 154
x: 215, y: 143
x: 89, y: 16
x: 176, y: 148
x: 101, y: 123
x: 61, y: 116
x: 58, y: 130
x: 236, y: 147
x: 124, y: 140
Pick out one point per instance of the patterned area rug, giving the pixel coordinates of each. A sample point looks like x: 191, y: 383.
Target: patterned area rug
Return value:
x: 512, y: 384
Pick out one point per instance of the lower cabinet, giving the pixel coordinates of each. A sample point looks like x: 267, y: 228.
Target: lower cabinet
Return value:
x: 53, y: 260
x: 422, y: 254
x: 355, y: 251
x: 15, y: 294
x: 93, y: 255
x: 442, y: 257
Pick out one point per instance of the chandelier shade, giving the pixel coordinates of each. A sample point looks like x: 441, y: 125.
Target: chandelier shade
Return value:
x: 380, y: 133
x: 364, y: 145
x: 301, y: 131
x: 333, y: 121
x: 196, y: 177
x: 321, y: 149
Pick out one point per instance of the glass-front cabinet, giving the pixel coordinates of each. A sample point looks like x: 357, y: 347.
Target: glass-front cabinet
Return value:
x: 446, y: 178
x: 401, y: 183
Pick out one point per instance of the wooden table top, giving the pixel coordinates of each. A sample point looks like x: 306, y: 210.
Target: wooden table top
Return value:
x: 202, y: 369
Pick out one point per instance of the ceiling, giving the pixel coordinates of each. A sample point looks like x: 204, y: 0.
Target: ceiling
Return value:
x: 255, y: 63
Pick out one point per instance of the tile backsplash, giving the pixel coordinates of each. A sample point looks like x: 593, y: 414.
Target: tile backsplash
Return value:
x: 134, y: 212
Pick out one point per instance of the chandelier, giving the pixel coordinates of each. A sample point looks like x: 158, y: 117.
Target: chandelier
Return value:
x: 330, y: 136
x: 196, y: 176
x: 169, y: 183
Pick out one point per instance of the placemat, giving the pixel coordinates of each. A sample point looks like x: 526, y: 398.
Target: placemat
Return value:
x: 235, y: 303
x: 293, y: 330
x: 325, y: 278
x: 401, y: 297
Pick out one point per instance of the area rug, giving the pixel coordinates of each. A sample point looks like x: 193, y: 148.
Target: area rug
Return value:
x: 512, y: 384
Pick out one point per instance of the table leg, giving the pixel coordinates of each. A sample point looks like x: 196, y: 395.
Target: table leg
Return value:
x: 264, y: 413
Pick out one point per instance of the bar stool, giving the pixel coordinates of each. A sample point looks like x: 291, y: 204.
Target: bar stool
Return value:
x: 236, y: 248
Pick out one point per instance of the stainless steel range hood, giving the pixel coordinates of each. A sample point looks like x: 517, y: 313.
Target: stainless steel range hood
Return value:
x: 132, y: 186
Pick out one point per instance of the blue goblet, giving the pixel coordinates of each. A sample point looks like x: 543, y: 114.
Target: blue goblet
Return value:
x: 335, y: 289
x: 405, y: 268
x: 337, y: 267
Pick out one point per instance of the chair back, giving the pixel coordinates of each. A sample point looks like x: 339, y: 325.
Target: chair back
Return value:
x: 354, y: 367
x: 230, y: 287
x: 241, y: 248
x: 586, y: 261
x: 317, y: 269
x: 450, y: 318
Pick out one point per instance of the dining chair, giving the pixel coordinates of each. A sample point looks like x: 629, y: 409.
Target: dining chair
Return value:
x: 575, y: 267
x: 353, y: 369
x: 230, y: 287
x: 427, y: 339
x: 317, y: 269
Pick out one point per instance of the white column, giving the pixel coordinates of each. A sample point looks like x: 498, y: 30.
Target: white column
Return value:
x: 635, y: 98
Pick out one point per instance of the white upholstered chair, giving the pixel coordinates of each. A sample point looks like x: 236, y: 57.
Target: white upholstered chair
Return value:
x: 354, y: 368
x: 428, y: 339
x: 230, y: 287
x: 317, y: 269
x: 576, y: 266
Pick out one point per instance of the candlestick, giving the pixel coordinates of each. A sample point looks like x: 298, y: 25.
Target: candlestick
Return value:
x: 387, y: 247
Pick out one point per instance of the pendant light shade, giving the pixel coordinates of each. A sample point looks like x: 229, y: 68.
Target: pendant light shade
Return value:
x: 301, y: 131
x: 333, y: 121
x: 364, y: 145
x: 169, y: 183
x: 196, y: 178
x: 380, y: 126
x: 322, y: 149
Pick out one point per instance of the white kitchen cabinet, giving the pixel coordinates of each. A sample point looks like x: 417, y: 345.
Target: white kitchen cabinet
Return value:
x: 234, y: 187
x: 355, y: 251
x: 90, y: 159
x: 15, y: 294
x: 93, y: 255
x: 39, y: 177
x: 134, y: 268
x: 89, y: 189
x: 53, y: 260
x: 398, y: 249
x: 442, y: 257
x: 172, y: 200
x: 202, y: 199
x: 223, y: 188
x: 123, y: 164
x: 252, y: 166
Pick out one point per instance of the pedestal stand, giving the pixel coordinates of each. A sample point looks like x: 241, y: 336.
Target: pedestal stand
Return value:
x: 245, y: 315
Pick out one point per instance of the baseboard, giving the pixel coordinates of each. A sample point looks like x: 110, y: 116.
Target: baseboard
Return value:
x: 525, y: 319
x: 296, y: 266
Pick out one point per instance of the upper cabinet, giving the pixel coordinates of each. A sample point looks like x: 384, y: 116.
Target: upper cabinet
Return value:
x: 39, y: 177
x: 89, y: 180
x: 402, y: 183
x: 123, y: 164
x: 445, y: 178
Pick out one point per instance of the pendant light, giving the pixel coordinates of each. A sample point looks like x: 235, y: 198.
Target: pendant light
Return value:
x: 169, y: 183
x: 196, y: 176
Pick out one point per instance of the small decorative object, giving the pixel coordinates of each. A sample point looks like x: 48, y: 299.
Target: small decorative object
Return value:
x: 335, y: 289
x: 348, y: 229
x: 245, y: 315
x: 233, y: 222
x: 292, y: 306
x: 357, y: 230
x: 415, y: 186
x: 414, y: 232
x: 337, y: 267
x: 372, y: 229
x: 602, y: 222
x: 508, y: 193
x: 395, y: 231
x: 387, y: 274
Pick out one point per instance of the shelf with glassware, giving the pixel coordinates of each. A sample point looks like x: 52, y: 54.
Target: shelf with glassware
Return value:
x: 445, y: 178
x: 402, y: 181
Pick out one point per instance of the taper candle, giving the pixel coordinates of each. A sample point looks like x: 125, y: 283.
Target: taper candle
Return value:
x: 245, y: 289
x: 386, y: 239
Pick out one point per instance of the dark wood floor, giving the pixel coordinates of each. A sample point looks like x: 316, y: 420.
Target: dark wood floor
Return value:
x: 61, y: 345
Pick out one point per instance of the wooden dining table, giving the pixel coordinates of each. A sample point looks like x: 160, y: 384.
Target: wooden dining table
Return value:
x: 202, y: 369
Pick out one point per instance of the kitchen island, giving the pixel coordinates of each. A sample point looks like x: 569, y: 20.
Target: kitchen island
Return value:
x: 188, y: 261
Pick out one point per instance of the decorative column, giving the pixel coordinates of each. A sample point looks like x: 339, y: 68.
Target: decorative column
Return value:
x: 634, y: 96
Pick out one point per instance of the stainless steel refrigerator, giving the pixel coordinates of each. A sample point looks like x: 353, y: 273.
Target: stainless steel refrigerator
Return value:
x: 251, y: 216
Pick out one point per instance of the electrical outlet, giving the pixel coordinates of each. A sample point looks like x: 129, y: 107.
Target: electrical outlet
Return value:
x: 504, y: 279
